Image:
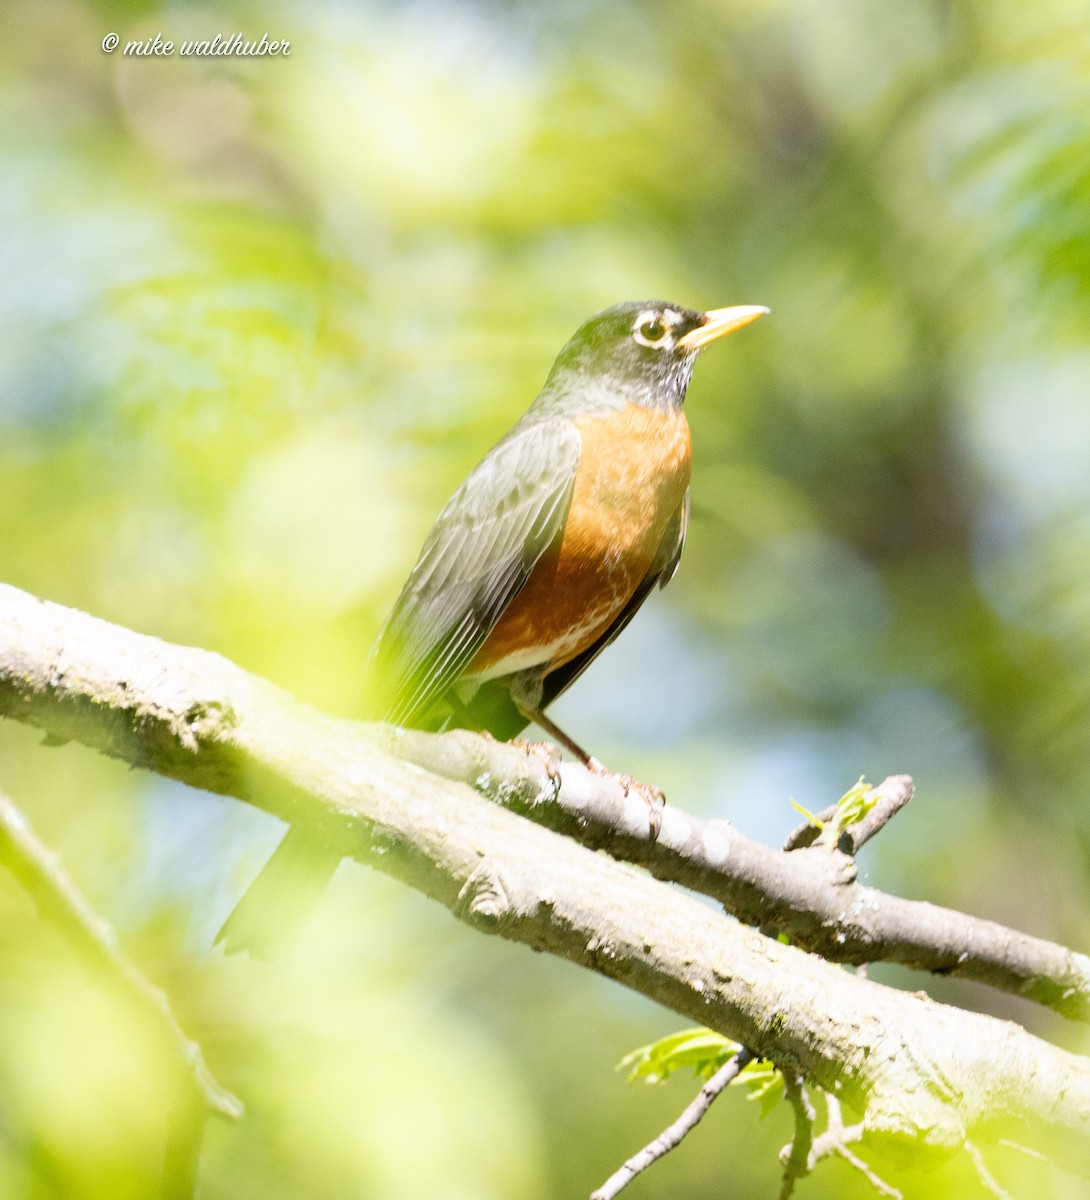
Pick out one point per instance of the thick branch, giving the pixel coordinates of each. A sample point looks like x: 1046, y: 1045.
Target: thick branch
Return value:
x: 925, y: 1076
x: 812, y: 895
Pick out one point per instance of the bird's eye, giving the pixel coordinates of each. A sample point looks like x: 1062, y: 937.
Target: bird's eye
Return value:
x: 652, y: 332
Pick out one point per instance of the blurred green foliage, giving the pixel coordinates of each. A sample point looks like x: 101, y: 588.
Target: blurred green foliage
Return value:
x: 259, y: 318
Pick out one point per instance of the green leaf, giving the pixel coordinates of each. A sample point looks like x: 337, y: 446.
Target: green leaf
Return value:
x: 704, y: 1052
x: 765, y: 1084
x: 812, y: 818
x: 854, y: 805
x: 701, y: 1050
x: 851, y: 808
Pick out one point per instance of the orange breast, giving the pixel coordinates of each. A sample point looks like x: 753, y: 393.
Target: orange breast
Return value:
x: 633, y: 472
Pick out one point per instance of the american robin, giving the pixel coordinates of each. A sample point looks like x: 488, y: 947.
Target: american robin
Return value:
x: 537, y: 562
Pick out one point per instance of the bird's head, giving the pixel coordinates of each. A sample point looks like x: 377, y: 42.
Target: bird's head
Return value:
x: 642, y: 352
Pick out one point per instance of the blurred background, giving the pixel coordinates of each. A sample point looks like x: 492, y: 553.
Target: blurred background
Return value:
x: 260, y: 316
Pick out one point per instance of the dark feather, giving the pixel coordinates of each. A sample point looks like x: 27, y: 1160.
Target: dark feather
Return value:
x: 274, y: 909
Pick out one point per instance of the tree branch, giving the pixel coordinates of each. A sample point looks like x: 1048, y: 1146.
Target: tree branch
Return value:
x: 812, y: 895
x: 925, y: 1076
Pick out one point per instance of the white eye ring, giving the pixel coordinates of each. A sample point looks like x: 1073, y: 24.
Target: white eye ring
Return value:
x: 652, y: 330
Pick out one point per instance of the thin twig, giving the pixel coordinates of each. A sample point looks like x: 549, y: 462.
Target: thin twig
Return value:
x: 808, y: 832
x: 893, y: 794
x: 985, y: 1176
x: 61, y: 902
x: 836, y: 1133
x: 673, y: 1135
x: 837, y: 1138
x: 795, y: 1156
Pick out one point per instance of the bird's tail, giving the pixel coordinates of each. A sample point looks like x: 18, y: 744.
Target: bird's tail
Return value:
x: 274, y: 910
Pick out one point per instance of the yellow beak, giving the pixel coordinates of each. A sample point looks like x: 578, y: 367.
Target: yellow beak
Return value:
x: 718, y: 322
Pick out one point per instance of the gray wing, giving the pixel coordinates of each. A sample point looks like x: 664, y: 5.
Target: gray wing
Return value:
x: 662, y: 570
x: 478, y: 556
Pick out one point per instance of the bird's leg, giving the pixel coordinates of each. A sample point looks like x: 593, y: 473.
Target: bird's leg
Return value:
x: 558, y: 735
x: 652, y: 796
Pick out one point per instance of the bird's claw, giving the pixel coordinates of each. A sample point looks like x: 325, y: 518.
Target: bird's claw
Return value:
x: 546, y: 753
x: 652, y: 796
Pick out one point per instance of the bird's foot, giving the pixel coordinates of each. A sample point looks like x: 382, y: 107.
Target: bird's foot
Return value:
x: 652, y: 796
x: 546, y: 753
